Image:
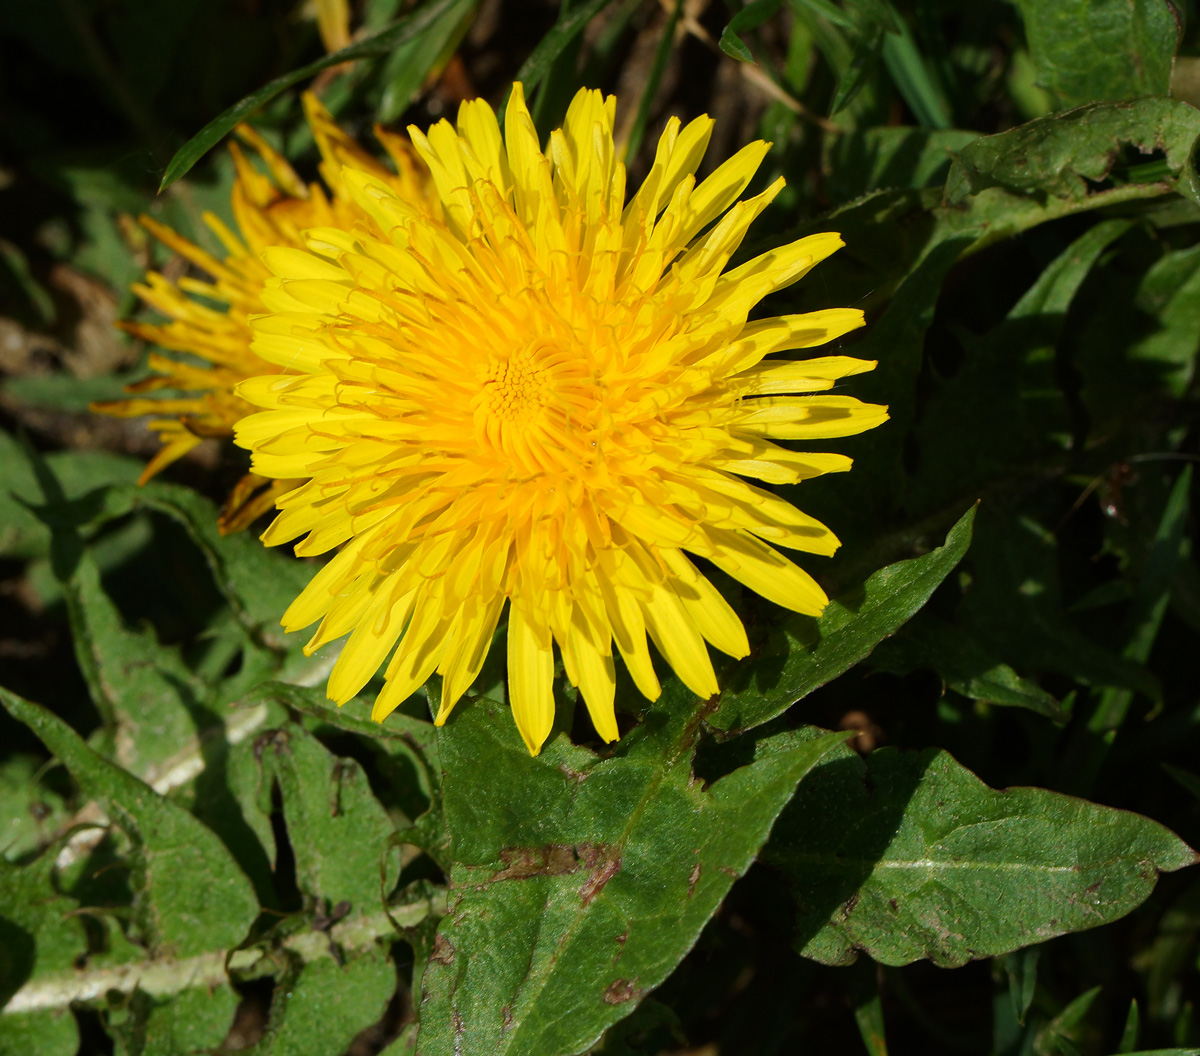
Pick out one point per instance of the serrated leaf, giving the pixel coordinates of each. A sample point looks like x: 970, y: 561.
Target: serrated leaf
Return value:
x: 190, y: 896
x: 1086, y: 50
x: 29, y: 808
x: 803, y: 655
x: 258, y: 583
x: 382, y: 43
x: 406, y: 748
x: 192, y: 1021
x: 580, y: 882
x: 909, y: 855
x: 322, y: 1006
x: 39, y: 933
x: 337, y: 829
x: 145, y: 689
x: 1063, y: 154
x: 78, y: 472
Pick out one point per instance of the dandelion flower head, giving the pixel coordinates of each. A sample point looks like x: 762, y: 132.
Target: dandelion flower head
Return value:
x: 542, y: 396
x: 207, y: 331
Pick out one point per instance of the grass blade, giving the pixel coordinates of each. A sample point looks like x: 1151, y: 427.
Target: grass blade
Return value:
x: 381, y: 43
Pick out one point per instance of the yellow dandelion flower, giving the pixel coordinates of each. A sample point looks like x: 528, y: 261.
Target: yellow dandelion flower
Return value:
x: 544, y: 397
x: 269, y: 210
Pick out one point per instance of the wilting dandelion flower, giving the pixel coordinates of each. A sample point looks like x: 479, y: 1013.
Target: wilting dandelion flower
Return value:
x: 208, y: 327
x: 545, y: 397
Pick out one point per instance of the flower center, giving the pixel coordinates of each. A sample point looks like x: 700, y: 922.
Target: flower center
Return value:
x: 516, y: 389
x: 538, y: 408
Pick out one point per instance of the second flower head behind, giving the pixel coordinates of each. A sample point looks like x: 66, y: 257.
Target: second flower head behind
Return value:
x: 542, y: 396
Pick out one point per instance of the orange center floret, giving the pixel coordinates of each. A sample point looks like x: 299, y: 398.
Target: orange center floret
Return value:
x: 537, y: 408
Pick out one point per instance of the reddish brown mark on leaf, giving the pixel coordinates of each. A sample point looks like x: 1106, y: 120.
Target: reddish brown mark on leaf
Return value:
x: 601, y: 860
x: 693, y: 879
x: 604, y: 862
x: 443, y: 951
x: 621, y: 940
x: 621, y: 990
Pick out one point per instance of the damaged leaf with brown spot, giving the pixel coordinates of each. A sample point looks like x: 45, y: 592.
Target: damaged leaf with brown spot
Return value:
x: 577, y: 892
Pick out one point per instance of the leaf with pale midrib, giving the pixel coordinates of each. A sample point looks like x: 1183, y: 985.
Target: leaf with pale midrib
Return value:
x: 909, y: 855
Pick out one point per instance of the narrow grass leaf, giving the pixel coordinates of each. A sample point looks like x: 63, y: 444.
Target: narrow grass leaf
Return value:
x: 662, y: 53
x: 405, y: 29
x: 912, y: 77
x: 565, y: 30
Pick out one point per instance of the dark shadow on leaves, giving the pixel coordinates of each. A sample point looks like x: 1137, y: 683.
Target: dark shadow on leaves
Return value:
x: 830, y: 837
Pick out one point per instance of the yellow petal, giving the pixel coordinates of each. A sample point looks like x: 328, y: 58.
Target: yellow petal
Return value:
x: 530, y: 677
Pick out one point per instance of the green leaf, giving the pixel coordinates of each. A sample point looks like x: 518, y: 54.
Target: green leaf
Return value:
x: 258, y: 583
x: 914, y: 78
x: 805, y: 654
x: 1021, y: 969
x: 146, y: 690
x: 1087, y: 50
x: 323, y: 1006
x: 403, y: 30
x: 29, y: 807
x: 406, y: 747
x: 1014, y: 607
x: 39, y: 931
x: 1169, y: 545
x: 580, y: 882
x: 1006, y: 394
x: 65, y: 392
x: 78, y: 472
x: 753, y: 15
x: 1122, y: 377
x: 52, y: 1033
x: 909, y: 855
x: 337, y: 829
x: 868, y: 48
x: 964, y: 665
x: 1185, y: 778
x: 1063, y: 154
x: 1062, y: 1033
x: 868, y: 1008
x: 191, y: 896
x: 873, y: 159
x: 569, y: 25
x: 662, y: 53
x: 826, y: 9
x: 192, y: 1021
x: 409, y: 65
